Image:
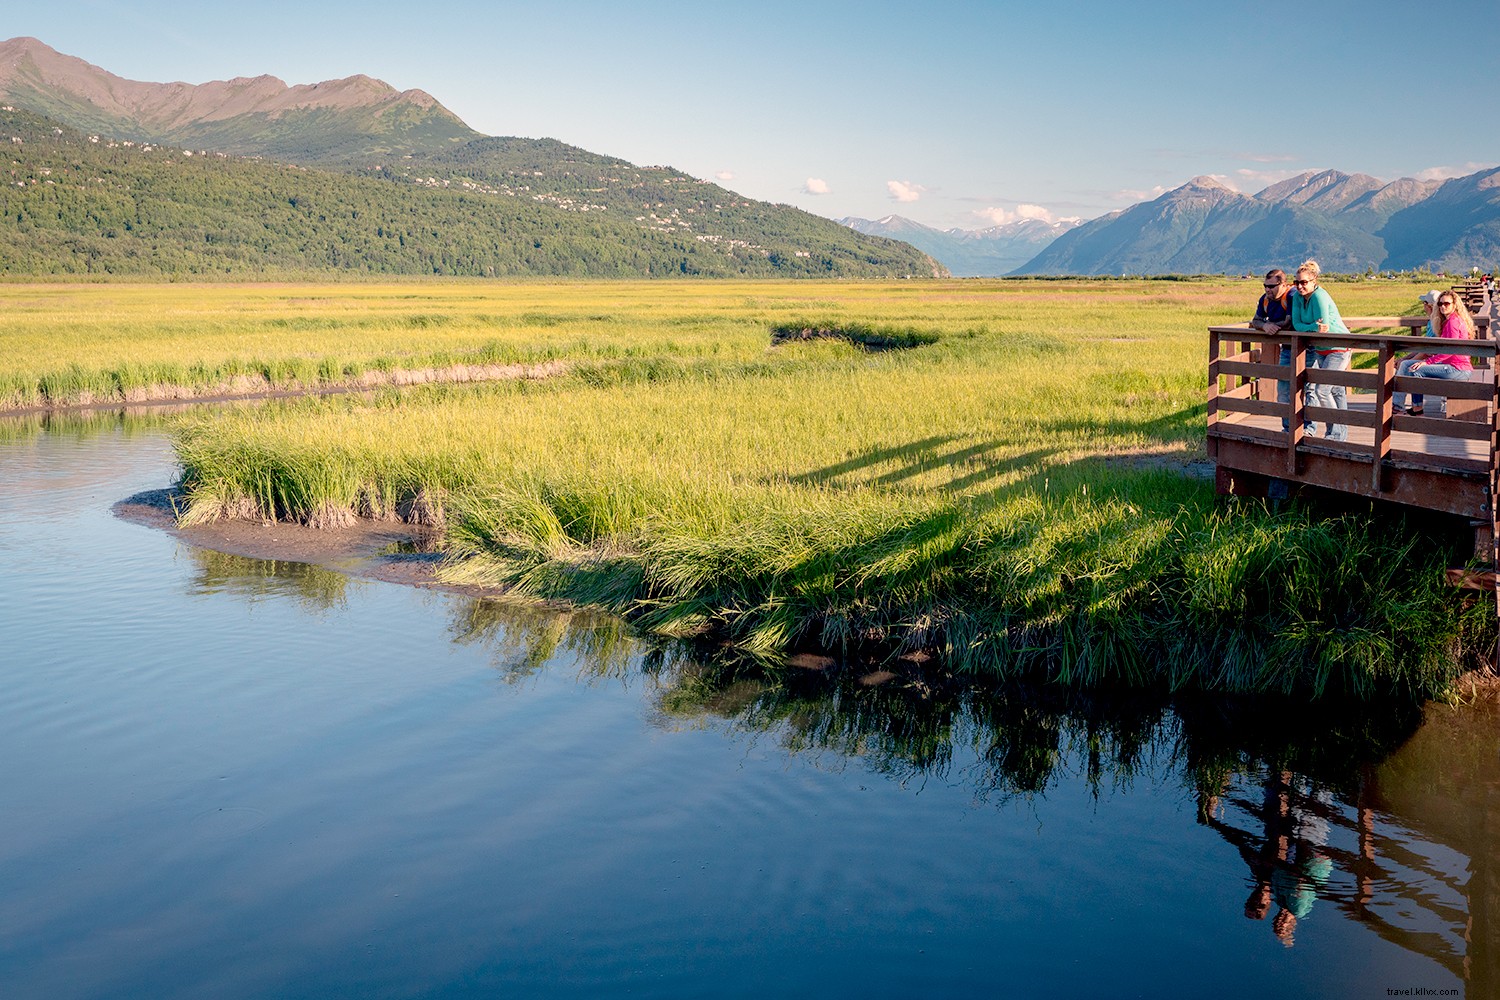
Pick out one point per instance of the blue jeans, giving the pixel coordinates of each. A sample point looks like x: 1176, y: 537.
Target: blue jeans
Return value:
x: 1329, y: 395
x: 1421, y: 369
x: 1284, y: 389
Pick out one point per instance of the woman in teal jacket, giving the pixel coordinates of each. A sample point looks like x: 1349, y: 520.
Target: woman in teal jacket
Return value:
x: 1313, y: 311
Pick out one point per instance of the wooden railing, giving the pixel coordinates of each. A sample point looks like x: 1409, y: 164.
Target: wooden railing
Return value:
x: 1472, y: 292
x: 1243, y: 372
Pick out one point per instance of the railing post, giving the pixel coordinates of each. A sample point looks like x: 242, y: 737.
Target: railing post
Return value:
x: 1386, y: 370
x: 1213, y: 394
x: 1298, y: 383
x: 1495, y: 497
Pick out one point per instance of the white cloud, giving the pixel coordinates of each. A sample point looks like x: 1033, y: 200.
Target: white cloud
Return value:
x: 725, y: 175
x: 815, y: 185
x: 904, y: 190
x: 1000, y: 216
x: 1129, y: 195
x: 1264, y: 177
x: 1448, y: 173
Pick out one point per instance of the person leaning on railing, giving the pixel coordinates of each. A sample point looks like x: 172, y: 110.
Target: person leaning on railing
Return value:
x: 1454, y: 323
x: 1273, y: 313
x: 1313, y: 311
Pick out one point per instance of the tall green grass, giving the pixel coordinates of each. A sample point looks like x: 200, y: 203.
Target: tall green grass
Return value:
x: 1007, y: 492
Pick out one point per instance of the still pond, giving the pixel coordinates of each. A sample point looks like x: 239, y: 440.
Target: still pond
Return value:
x: 228, y: 777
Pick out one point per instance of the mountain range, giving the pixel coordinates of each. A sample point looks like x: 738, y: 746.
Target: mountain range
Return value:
x: 1347, y: 222
x: 108, y: 175
x: 516, y: 205
x: 970, y: 253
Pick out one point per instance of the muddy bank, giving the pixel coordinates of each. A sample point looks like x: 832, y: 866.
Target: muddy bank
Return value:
x: 393, y: 551
x: 243, y: 387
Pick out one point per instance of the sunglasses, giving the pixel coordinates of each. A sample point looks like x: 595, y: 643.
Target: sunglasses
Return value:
x: 1302, y: 281
x: 1447, y: 302
x: 1273, y: 285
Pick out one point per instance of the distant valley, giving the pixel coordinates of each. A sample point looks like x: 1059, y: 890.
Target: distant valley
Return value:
x: 970, y: 253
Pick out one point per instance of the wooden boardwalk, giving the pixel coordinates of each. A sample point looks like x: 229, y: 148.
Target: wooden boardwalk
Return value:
x: 1443, y: 463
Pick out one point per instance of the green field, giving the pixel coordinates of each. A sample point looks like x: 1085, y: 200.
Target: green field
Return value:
x: 1010, y: 489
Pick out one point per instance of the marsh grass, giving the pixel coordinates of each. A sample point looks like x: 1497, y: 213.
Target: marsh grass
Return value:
x: 1007, y: 494
x: 62, y: 344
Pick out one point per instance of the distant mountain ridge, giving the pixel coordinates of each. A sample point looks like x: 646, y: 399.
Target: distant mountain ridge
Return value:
x: 352, y: 117
x: 1348, y: 222
x: 969, y: 253
x: 525, y: 203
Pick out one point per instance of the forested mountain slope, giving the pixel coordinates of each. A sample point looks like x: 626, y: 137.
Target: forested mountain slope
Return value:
x: 77, y: 204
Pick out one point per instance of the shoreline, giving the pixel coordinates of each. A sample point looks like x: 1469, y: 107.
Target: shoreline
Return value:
x: 404, y: 553
x: 250, y: 387
x: 390, y: 551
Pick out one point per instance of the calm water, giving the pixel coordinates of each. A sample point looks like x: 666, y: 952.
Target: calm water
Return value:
x: 231, y: 778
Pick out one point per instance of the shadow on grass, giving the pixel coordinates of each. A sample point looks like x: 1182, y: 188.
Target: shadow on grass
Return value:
x: 942, y: 451
x: 869, y: 459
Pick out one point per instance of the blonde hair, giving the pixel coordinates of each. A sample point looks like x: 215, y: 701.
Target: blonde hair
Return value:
x: 1460, y: 309
x: 1311, y: 267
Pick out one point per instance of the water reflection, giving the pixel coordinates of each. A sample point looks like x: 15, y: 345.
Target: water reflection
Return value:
x: 84, y: 424
x: 1355, y: 846
x: 524, y: 636
x: 1322, y: 808
x: 317, y: 588
x: 1377, y: 814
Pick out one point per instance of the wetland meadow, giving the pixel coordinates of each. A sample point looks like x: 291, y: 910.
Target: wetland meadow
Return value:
x: 877, y: 637
x: 1006, y: 477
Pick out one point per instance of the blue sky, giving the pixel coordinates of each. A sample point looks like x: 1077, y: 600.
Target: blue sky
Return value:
x: 959, y: 114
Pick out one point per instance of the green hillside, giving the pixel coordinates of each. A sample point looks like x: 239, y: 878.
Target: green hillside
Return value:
x: 659, y: 199
x: 72, y: 205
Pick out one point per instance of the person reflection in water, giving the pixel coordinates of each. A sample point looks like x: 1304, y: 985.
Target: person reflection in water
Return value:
x: 1296, y: 880
x: 1287, y: 863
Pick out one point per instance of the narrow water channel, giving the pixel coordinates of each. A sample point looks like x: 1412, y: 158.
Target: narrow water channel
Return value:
x: 226, y: 777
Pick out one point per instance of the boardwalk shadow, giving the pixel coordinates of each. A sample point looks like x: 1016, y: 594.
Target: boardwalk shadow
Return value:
x: 869, y: 459
x: 1171, y: 428
x: 981, y: 462
x: 921, y: 457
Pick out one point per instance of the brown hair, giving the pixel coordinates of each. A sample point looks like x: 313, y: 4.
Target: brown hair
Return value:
x: 1276, y: 273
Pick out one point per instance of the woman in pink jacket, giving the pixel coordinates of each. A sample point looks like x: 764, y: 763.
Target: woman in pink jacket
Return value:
x: 1453, y: 322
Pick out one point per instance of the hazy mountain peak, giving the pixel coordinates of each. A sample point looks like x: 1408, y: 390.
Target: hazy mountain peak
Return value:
x: 1210, y: 183
x: 1325, y: 190
x: 259, y: 115
x: 968, y: 253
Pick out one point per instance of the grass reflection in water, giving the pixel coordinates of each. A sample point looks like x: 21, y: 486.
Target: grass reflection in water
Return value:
x: 1302, y: 795
x: 316, y: 588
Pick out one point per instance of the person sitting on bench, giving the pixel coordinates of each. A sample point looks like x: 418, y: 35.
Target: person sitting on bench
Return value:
x: 1454, y: 323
